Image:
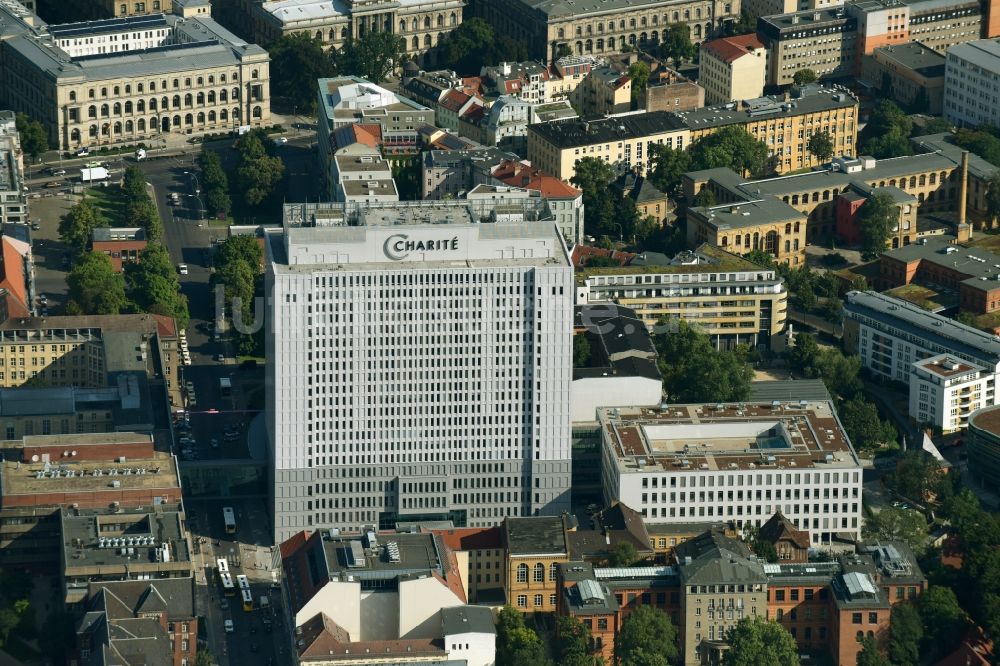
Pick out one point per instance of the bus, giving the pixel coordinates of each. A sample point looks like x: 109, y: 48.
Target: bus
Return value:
x: 228, y: 588
x: 222, y: 565
x: 247, y: 600
x: 243, y: 582
x: 229, y: 518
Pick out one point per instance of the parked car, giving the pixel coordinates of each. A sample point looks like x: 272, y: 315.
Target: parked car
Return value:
x: 83, y: 152
x: 43, y: 299
x: 280, y: 141
x: 182, y: 269
x: 35, y: 226
x: 221, y: 358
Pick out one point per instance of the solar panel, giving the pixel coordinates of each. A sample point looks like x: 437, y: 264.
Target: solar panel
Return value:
x: 858, y: 583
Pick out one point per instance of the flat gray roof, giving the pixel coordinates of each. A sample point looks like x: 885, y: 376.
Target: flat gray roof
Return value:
x: 746, y: 213
x: 913, y: 55
x: 942, y: 331
x: 812, y: 100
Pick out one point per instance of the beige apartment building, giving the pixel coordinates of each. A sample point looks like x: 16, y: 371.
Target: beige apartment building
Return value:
x: 90, y: 10
x: 765, y: 224
x: 824, y: 40
x: 785, y: 124
x: 556, y: 147
x: 731, y: 299
x: 199, y: 78
x: 732, y: 68
x: 915, y: 73
x: 605, y: 91
x: 594, y: 27
x: 422, y: 24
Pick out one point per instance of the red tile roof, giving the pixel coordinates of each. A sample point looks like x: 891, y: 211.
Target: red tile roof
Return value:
x: 369, y: 134
x: 581, y: 253
x: 729, y: 49
x: 12, y: 279
x: 166, y: 327
x: 471, y: 538
x: 454, y: 100
x: 519, y: 174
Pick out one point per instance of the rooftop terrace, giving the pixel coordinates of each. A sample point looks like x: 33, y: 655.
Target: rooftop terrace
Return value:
x: 778, y: 435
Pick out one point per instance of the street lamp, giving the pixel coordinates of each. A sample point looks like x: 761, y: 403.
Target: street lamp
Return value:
x: 197, y: 191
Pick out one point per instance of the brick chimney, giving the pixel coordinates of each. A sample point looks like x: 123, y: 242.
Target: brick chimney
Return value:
x: 963, y: 189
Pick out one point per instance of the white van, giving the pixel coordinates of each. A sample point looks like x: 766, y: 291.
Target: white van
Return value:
x: 265, y: 603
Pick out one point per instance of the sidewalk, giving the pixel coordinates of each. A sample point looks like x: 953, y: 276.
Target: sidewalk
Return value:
x: 169, y: 144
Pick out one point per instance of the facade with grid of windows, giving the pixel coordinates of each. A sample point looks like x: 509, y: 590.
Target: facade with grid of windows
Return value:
x: 421, y: 368
x: 734, y: 462
x: 535, y: 548
x: 129, y: 80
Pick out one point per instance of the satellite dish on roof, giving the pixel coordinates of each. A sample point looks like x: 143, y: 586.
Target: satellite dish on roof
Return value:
x: 72, y: 453
x: 34, y: 458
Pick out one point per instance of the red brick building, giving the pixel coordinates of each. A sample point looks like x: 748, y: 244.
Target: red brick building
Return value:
x: 121, y: 244
x: 791, y: 543
x: 939, y: 260
x: 825, y: 606
x: 139, y: 622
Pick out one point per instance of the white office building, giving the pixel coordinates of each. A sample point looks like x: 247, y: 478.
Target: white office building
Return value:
x: 419, y: 368
x: 890, y: 335
x: 945, y: 390
x: 970, y: 74
x: 737, y: 463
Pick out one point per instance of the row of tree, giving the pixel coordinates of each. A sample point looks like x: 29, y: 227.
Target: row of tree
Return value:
x: 214, y: 183
x: 149, y: 285
x: 258, y: 173
x: 647, y: 637
x: 237, y: 268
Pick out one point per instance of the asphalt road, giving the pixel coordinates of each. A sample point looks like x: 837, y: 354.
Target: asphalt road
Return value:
x: 250, y: 642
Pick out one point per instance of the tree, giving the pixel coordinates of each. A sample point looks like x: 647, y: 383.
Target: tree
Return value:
x: 705, y: 198
x: 257, y: 173
x: 563, y: 51
x: 134, y: 183
x: 840, y: 374
x: 34, y: 138
x: 870, y: 655
x: 943, y: 620
x: 804, y: 76
x: 877, y: 217
x: 933, y: 126
x: 676, y: 42
x: 694, y: 371
x: 897, y: 524
x: 581, y: 350
x: 623, y: 554
x: 647, y: 630
x: 372, y: 56
x: 203, y: 658
x: 754, y: 641
x: 95, y: 287
x: 980, y: 142
x: 803, y: 354
x: 638, y: 74
x: 76, y: 225
x: 821, y: 146
x: 905, y: 632
x: 732, y: 147
x: 572, y: 642
x: 668, y: 167
x: 474, y: 45
x: 154, y: 285
x: 887, y: 132
x: 993, y: 198
x: 212, y: 173
x: 760, y: 257
x: 217, y: 200
x: 142, y: 212
x: 518, y: 644
x: 593, y: 176
x: 9, y: 620
x: 863, y: 426
x: 239, y: 248
x: 765, y: 550
x: 917, y: 476
x: 297, y: 60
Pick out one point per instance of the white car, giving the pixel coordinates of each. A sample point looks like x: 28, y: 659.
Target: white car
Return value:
x: 229, y: 626
x: 182, y: 269
x: 280, y: 141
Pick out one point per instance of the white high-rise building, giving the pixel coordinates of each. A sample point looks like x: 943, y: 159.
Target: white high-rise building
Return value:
x: 419, y: 368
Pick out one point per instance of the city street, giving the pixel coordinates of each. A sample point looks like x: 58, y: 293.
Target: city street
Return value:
x: 247, y: 553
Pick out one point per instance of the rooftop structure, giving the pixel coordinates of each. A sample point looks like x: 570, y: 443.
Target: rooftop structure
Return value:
x: 13, y: 202
x: 577, y: 132
x: 98, y: 545
x: 749, y: 445
x: 529, y: 536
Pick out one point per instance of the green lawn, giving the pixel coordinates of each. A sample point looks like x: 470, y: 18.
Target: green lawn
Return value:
x: 921, y: 296
x: 111, y: 201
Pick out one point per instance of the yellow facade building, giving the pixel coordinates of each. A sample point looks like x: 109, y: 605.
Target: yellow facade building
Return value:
x: 556, y: 147
x: 535, y: 546
x: 731, y: 299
